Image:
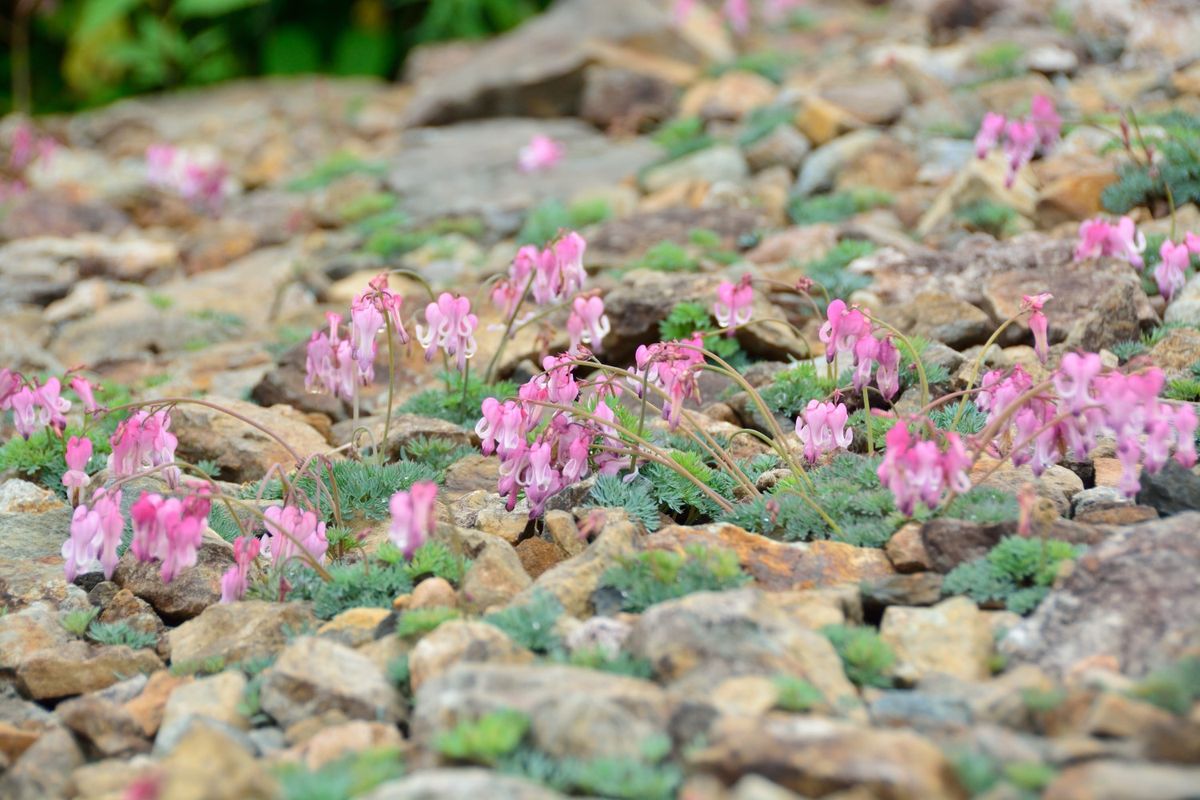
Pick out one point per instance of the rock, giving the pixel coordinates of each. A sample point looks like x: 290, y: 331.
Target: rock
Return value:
x: 1172, y: 490
x: 574, y: 580
x: 537, y: 69
x: 355, y: 627
x: 433, y: 592
x: 24, y: 582
x: 1117, y: 716
x: 1057, y: 484
x: 731, y: 96
x: 816, y: 757
x: 31, y: 630
x: 876, y: 99
x: 485, y: 510
x: 978, y: 181
x: 918, y: 589
x: 1123, y: 780
x: 943, y: 318
x: 625, y: 98
x: 106, y: 727
x: 949, y: 542
x: 28, y: 535
x: 906, y: 549
x: 1131, y: 598
x: 1073, y: 197
x: 698, y: 640
x: 822, y: 166
x: 538, y: 555
x: 243, y: 452
x: 58, y: 215
x: 192, y: 590
x: 494, y: 577
x: 22, y: 497
x: 347, y: 739
x: 490, y: 186
x: 147, y: 708
x: 605, y: 715
x: 284, y: 385
x: 710, y: 165
x: 605, y: 634
x: 783, y: 146
x: 821, y: 121
x: 312, y: 676
x: 756, y: 787
x: 1176, y: 352
x: 251, y: 629
x: 404, y: 429
x: 1185, y: 307
x: 76, y: 668
x: 206, y: 751
x: 217, y: 697
x: 463, y: 783
x: 43, y: 771
x: 459, y: 641
x: 951, y: 638
x: 924, y: 712
x: 617, y: 241
x: 776, y: 565
x: 563, y: 531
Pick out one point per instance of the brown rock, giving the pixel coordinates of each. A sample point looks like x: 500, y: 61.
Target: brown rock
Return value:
x: 776, y: 565
x: 403, y: 430
x: 107, y: 728
x: 355, y: 627
x: 349, y: 738
x: 906, y: 549
x: 952, y: 638
x: 1176, y: 352
x: 1119, y: 780
x: 817, y: 757
x: 1117, y: 716
x: 564, y: 532
x: 1073, y: 197
x: 624, y: 98
x: 943, y: 318
x: 822, y: 121
x: 494, y: 577
x: 459, y: 641
x: 192, y: 590
x: 238, y: 631
x: 874, y: 98
x: 205, y: 752
x: 730, y: 97
x: 241, y: 451
x: 44, y: 770
x: 147, y: 708
x: 75, y: 668
x: 433, y: 592
x: 538, y: 555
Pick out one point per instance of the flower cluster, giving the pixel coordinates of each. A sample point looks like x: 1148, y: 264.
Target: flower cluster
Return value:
x: 848, y: 332
x: 34, y: 406
x: 1098, y: 237
x: 588, y: 324
x: 1022, y: 138
x: 169, y: 529
x: 236, y: 579
x: 921, y: 470
x: 142, y: 441
x: 79, y: 453
x: 673, y: 367
x: 413, y: 520
x: 822, y: 429
x: 449, y: 326
x: 95, y: 533
x: 553, y: 274
x: 734, y: 304
x: 198, y: 177
x: 542, y: 153
x: 1039, y: 325
x: 289, y: 529
x: 562, y: 451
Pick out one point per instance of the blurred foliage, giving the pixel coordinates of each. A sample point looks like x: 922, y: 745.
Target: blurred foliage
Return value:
x: 88, y: 52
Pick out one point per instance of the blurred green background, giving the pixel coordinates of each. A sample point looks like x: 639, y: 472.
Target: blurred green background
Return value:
x: 60, y: 55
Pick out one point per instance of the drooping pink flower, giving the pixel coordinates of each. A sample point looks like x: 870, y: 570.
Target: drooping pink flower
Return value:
x: 142, y: 441
x: 79, y: 452
x: 990, y: 131
x: 734, y: 304
x: 1129, y: 242
x: 1193, y: 243
x: 38, y: 406
x: 1095, y: 236
x: 821, y: 428
x: 25, y: 408
x: 201, y: 178
x: 1046, y: 121
x: 588, y: 323
x: 80, y: 548
x: 919, y: 471
x: 842, y: 329
x: 330, y: 365
x: 10, y: 384
x: 1098, y: 237
x: 236, y: 579
x: 887, y: 376
x: 1185, y: 434
x: 672, y: 367
x: 1038, y: 324
x: 82, y: 387
x: 168, y: 529
x: 542, y: 153
x: 1020, y: 143
x: 503, y: 427
x: 289, y: 529
x: 371, y: 311
x: 450, y: 326
x: 413, y: 518
x: 1073, y: 380
x: 112, y: 525
x: 1171, y: 271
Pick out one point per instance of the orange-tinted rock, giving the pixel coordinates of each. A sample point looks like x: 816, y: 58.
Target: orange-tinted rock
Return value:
x: 538, y: 555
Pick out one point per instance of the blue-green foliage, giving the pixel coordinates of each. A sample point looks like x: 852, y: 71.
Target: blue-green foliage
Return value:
x: 1017, y: 572
x: 866, y: 658
x: 533, y: 623
x: 448, y: 404
x: 655, y: 576
x: 348, y: 777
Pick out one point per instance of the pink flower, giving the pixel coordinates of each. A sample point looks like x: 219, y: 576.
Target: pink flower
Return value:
x: 168, y: 529
x: 1038, y: 323
x: 1185, y: 435
x: 682, y: 10
x: 79, y: 452
x: 81, y: 548
x: 143, y: 441
x: 451, y: 327
x: 887, y: 376
x: 737, y: 12
x: 198, y: 177
x: 1100, y: 238
x: 542, y: 153
x: 503, y: 427
x: 36, y: 407
x: 920, y: 471
x: 842, y: 329
x: 588, y: 323
x: 1129, y: 242
x: 955, y: 464
x: 10, y: 384
x: 1046, y: 121
x: 413, y: 519
x: 236, y: 579
x: 865, y: 350
x: 366, y: 321
x: 1094, y: 238
x: 990, y: 131
x: 1171, y: 271
x: 330, y: 364
x: 672, y: 367
x: 24, y: 406
x: 85, y: 390
x: 822, y: 429
x: 1020, y: 142
x: 734, y: 304
x: 112, y: 525
x: 289, y: 529
x: 1073, y: 380
x: 1193, y: 243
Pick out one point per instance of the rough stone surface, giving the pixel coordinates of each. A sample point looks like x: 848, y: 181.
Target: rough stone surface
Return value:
x: 455, y: 642
x: 951, y: 638
x: 238, y: 632
x: 461, y: 784
x: 189, y: 593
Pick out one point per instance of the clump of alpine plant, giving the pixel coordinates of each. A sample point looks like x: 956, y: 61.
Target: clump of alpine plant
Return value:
x: 36, y: 406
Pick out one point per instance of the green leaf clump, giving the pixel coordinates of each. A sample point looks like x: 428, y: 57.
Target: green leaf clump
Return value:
x: 1175, y: 137
x: 644, y: 777
x: 350, y: 776
x: 793, y: 388
x: 121, y: 633
x: 686, y: 319
x: 77, y: 622
x: 42, y: 457
x: 836, y: 207
x: 448, y: 403
x: 866, y: 658
x: 360, y: 585
x: 667, y: 256
x: 796, y: 695
x: 611, y: 491
x: 419, y: 621
x: 532, y: 624
x: 484, y: 740
x: 1175, y: 688
x: 991, y: 217
x: 1016, y: 573
x: 656, y: 576
x: 830, y: 269
x: 622, y: 663
x: 546, y: 220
